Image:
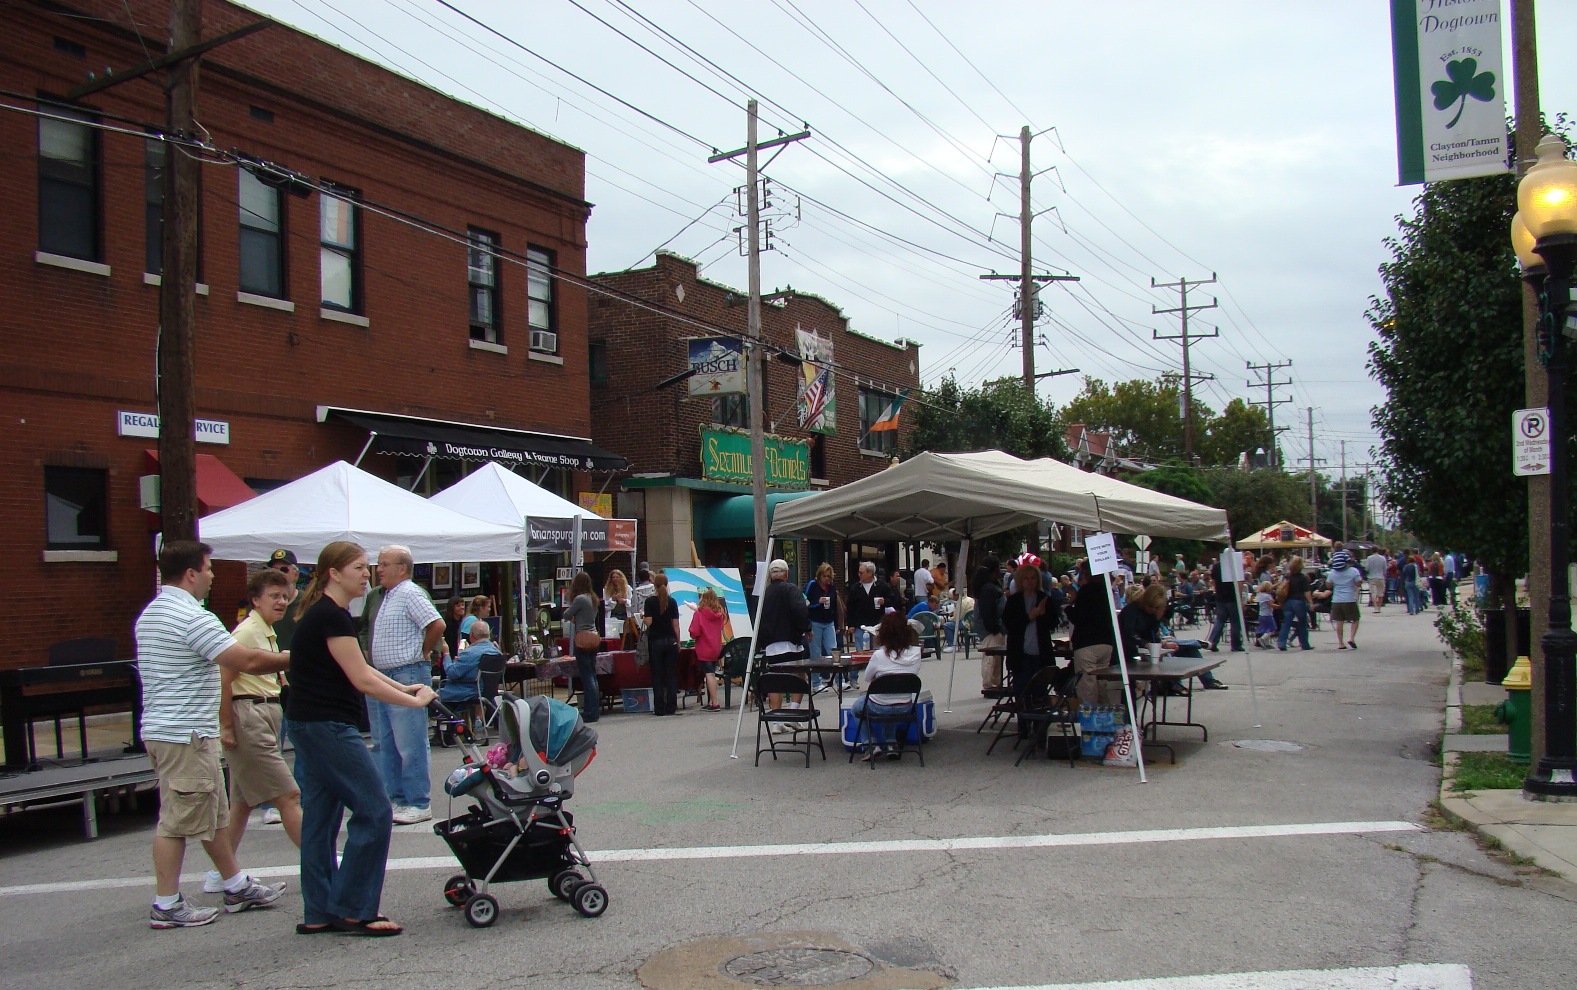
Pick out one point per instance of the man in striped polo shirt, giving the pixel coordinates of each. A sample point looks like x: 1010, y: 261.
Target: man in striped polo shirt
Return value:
x: 405, y: 632
x: 178, y: 644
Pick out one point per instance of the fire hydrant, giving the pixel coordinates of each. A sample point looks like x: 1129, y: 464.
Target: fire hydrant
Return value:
x: 1516, y: 711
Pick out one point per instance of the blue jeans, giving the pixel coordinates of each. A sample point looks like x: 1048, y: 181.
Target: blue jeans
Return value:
x: 883, y: 732
x: 335, y: 773
x: 1227, y: 615
x: 590, y: 694
x: 400, y: 735
x: 1415, y: 598
x: 823, y: 640
x: 1294, y: 617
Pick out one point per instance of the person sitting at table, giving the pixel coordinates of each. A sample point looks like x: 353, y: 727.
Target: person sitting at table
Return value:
x: 463, y: 674
x: 1140, y: 623
x: 896, y: 653
x: 1029, y: 620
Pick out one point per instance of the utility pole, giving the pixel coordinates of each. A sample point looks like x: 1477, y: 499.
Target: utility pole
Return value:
x: 1314, y: 482
x: 177, y: 290
x: 1344, y: 491
x: 1189, y: 377
x: 1269, y: 384
x: 1028, y: 287
x: 754, y: 352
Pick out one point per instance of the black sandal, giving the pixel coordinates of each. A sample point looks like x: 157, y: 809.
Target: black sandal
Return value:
x: 302, y: 928
x: 365, y: 928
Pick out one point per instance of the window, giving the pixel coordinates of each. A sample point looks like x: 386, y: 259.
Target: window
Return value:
x: 874, y: 405
x: 732, y: 410
x: 482, y: 277
x: 818, y: 456
x: 153, y: 153
x: 339, y: 255
x: 68, y: 185
x: 262, y: 237
x: 539, y: 294
x: 74, y: 501
x: 597, y: 360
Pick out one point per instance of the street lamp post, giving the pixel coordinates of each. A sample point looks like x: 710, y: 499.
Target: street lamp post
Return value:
x: 1545, y: 230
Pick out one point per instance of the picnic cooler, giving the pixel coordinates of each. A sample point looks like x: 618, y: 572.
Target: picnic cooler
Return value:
x: 848, y: 725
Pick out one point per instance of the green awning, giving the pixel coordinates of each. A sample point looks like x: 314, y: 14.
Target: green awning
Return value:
x: 735, y: 517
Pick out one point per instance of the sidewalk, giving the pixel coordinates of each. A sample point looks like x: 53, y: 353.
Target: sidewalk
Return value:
x: 1541, y: 831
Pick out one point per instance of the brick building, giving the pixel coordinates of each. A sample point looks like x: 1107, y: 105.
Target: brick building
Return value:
x: 661, y: 430
x: 325, y: 329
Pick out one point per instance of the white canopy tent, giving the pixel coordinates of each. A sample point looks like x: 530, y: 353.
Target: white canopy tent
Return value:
x: 942, y: 497
x: 341, y: 502
x: 498, y: 495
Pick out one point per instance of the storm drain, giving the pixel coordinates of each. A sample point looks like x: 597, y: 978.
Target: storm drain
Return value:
x: 1267, y: 745
x: 798, y: 967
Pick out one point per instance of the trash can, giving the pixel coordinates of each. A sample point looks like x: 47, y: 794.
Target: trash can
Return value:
x: 1516, y: 712
x: 1494, y: 621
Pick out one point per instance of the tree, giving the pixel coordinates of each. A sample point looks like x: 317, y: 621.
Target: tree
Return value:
x: 1240, y: 427
x: 1142, y: 416
x: 1183, y: 482
x: 999, y: 415
x: 1256, y: 499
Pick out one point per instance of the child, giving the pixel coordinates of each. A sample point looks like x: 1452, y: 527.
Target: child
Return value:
x: 1266, y: 600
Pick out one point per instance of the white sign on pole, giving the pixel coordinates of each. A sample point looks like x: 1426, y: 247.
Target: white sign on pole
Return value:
x: 1102, y: 551
x: 1450, y: 89
x: 1142, y: 542
x: 1530, y: 442
x: 1231, y: 565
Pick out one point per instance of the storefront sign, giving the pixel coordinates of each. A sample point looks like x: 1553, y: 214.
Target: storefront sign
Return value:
x: 544, y: 533
x: 725, y: 456
x: 135, y: 424
x: 1450, y: 89
x: 717, y: 366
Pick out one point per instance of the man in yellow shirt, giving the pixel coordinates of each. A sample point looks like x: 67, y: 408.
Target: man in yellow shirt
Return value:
x: 250, y: 714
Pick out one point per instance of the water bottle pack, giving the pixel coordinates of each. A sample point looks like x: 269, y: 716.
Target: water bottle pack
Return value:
x: 1097, y: 725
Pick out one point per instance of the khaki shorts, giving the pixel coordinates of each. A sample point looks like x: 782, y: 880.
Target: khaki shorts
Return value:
x: 258, y: 773
x: 1344, y: 611
x: 192, y: 803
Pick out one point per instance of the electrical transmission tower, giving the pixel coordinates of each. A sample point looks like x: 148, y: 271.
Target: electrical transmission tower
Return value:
x: 1184, y: 311
x: 1267, y: 375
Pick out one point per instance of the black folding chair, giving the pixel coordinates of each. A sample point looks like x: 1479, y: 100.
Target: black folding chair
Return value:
x: 803, y: 720
x: 733, y: 663
x: 905, y: 714
x: 1051, y: 698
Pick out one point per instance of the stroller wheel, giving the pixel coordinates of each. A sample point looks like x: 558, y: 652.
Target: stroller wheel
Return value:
x: 564, y: 882
x: 481, y: 910
x: 590, y: 899
x: 458, y: 890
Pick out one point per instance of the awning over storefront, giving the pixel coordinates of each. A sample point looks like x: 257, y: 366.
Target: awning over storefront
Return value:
x: 218, y: 487
x: 734, y: 517
x: 412, y: 436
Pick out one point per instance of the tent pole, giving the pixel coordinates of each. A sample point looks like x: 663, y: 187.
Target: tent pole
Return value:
x: 420, y: 474
x: 958, y: 618
x: 364, y: 448
x: 1248, y: 655
x: 750, y: 662
x: 1122, y: 666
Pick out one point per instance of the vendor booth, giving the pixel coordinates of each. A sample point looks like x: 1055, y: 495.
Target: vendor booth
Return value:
x: 1284, y: 536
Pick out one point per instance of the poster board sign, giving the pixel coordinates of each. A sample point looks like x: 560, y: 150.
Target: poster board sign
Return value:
x: 685, y: 584
x: 557, y: 535
x: 1101, y: 548
x: 1231, y: 565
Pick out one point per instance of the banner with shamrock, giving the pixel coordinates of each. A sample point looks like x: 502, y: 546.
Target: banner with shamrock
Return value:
x: 1450, y: 89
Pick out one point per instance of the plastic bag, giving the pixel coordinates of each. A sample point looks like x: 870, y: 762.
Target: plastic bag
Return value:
x: 1123, y: 752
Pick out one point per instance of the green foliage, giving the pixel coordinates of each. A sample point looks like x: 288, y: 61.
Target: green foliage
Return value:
x: 1183, y: 482
x: 1479, y: 720
x: 999, y: 415
x: 1145, y: 421
x: 1487, y: 772
x: 1256, y: 499
x: 1240, y: 427
x: 1459, y: 628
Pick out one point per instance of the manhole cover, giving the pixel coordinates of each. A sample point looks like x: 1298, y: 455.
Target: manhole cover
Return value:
x: 1267, y: 745
x: 798, y: 967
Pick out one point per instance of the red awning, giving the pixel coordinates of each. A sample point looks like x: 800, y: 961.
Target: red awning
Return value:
x: 218, y: 487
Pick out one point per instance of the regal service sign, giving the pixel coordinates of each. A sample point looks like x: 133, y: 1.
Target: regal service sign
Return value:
x: 1450, y: 89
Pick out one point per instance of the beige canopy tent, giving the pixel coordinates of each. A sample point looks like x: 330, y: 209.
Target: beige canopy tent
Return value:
x: 943, y: 497
x: 1284, y: 536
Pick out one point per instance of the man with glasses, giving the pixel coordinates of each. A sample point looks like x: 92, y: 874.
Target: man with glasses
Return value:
x: 405, y: 630
x: 284, y: 561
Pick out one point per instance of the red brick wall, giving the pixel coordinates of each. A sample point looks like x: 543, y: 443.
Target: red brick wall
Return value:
x: 81, y: 346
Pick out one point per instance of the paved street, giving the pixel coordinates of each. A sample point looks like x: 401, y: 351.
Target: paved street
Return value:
x: 1233, y: 861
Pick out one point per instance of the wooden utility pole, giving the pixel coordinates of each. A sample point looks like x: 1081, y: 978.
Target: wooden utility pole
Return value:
x: 1344, y: 491
x: 1189, y: 377
x: 177, y: 290
x: 1314, y: 479
x: 755, y: 354
x: 1270, y: 385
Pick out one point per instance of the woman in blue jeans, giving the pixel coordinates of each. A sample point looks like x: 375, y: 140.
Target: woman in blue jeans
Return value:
x: 580, y: 616
x: 894, y: 654
x: 327, y: 716
x: 1295, y: 613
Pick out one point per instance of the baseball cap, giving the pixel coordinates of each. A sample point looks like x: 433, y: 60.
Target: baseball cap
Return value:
x: 282, y: 557
x: 778, y: 567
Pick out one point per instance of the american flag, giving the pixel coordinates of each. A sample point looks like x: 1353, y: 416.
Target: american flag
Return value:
x: 813, y: 397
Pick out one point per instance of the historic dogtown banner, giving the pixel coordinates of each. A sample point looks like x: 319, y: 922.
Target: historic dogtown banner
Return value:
x: 717, y: 366
x: 1450, y: 89
x: 818, y: 410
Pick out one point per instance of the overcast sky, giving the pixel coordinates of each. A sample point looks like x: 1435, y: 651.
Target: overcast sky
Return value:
x: 1250, y: 139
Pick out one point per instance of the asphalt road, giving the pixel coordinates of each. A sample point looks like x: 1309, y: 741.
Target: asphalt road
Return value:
x: 1061, y: 876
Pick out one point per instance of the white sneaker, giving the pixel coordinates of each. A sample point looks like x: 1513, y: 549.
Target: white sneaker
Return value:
x: 213, y: 883
x: 271, y: 816
x: 410, y: 816
x: 253, y: 895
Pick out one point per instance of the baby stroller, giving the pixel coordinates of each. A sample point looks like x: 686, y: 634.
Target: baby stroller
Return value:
x: 518, y: 828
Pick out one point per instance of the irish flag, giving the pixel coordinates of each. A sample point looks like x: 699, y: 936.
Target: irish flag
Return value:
x: 889, y: 418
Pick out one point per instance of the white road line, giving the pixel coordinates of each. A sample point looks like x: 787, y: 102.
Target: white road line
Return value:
x: 963, y: 843
x: 1432, y: 976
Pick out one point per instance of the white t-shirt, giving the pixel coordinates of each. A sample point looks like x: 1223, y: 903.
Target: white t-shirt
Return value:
x: 1374, y: 566
x: 177, y: 642
x: 882, y: 662
x: 922, y: 582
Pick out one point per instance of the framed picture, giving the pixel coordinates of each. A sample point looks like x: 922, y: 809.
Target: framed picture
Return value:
x: 470, y: 576
x: 423, y: 574
x: 545, y: 591
x: 443, y: 577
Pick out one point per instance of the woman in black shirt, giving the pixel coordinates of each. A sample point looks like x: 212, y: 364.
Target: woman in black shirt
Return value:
x: 1295, y: 613
x: 662, y: 642
x: 327, y: 714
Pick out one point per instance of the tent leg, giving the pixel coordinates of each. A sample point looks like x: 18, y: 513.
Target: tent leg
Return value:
x: 750, y: 664
x: 364, y: 448
x: 958, y: 618
x: 422, y: 473
x: 1122, y: 666
x: 1248, y: 655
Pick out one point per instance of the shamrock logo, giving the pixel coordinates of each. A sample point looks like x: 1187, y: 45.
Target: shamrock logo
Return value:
x: 1462, y: 81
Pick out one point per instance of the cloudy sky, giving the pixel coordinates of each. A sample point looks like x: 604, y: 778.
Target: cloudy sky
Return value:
x: 1247, y: 139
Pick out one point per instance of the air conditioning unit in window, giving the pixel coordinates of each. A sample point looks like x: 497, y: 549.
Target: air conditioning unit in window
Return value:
x: 545, y: 340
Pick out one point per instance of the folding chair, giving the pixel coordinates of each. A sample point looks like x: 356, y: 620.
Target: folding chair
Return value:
x: 905, y: 714
x: 1050, y: 698
x: 804, y: 720
x: 490, y: 676
x: 930, y: 633
x: 732, y: 664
